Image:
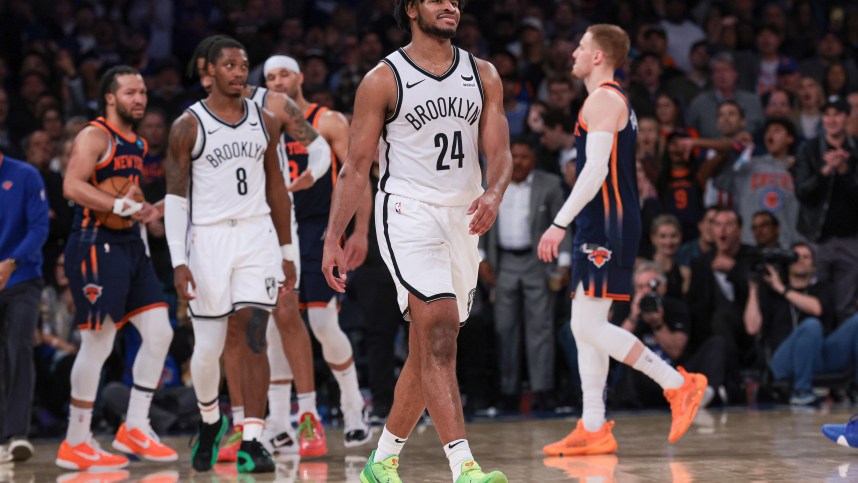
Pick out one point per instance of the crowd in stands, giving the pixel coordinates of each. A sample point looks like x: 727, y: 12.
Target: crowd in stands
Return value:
x: 747, y: 119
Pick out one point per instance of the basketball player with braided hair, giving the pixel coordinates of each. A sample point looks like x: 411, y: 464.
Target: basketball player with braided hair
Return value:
x: 111, y: 276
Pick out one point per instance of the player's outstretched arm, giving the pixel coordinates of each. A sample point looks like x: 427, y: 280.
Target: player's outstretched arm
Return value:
x: 177, y: 169
x: 89, y: 146
x: 603, y: 113
x: 375, y: 96
x: 278, y: 198
x: 494, y: 143
x: 296, y: 125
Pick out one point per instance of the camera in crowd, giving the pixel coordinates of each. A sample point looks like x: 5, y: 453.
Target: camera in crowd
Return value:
x: 779, y: 258
x: 651, y: 302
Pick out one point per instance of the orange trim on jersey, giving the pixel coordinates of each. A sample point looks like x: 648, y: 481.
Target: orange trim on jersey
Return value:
x: 315, y: 305
x: 606, y: 200
x: 108, y: 158
x: 614, y: 180
x: 605, y: 283
x: 605, y: 295
x: 94, y: 259
x: 145, y: 308
x: 117, y: 131
x: 309, y: 110
x: 581, y: 122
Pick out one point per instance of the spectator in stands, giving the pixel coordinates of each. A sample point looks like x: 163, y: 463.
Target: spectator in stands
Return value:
x: 852, y: 120
x: 670, y: 118
x: 51, y: 122
x: 646, y: 87
x: 557, y: 152
x: 23, y: 230
x: 664, y: 325
x: 666, y: 236
x: 765, y: 183
x: 719, y: 291
x: 6, y: 140
x: 346, y: 80
x: 557, y: 64
x: 515, y: 110
x: 681, y: 32
x: 649, y: 147
x: 470, y: 38
x: 811, y: 97
x: 703, y: 244
x: 766, y: 229
x: 704, y: 108
x: 678, y: 185
x: 654, y: 39
x: 826, y: 178
x: 778, y: 104
x: 533, y: 125
x: 836, y: 81
x: 687, y: 87
x: 789, y: 78
x: 562, y: 96
x: 829, y: 50
x: 523, y: 297
x: 796, y: 321
x: 758, y: 71
x: 650, y: 208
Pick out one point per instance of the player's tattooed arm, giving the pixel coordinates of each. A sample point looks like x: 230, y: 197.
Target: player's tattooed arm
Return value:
x: 177, y: 167
x: 292, y: 117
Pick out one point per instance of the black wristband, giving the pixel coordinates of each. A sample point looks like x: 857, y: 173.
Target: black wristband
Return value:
x: 558, y: 226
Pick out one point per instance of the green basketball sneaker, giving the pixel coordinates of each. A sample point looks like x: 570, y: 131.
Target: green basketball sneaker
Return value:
x: 382, y: 472
x: 254, y: 458
x: 471, y: 473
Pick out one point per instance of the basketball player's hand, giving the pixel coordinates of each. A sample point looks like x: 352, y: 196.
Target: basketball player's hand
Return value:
x: 355, y: 250
x: 147, y: 214
x: 333, y: 256
x: 549, y: 244
x: 291, y: 276
x: 303, y: 181
x: 485, y: 210
x: 6, y: 269
x: 184, y: 283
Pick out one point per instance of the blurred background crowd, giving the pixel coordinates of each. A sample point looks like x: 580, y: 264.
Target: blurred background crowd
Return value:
x: 746, y: 115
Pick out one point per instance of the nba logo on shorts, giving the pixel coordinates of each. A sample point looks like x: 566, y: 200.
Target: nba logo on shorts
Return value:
x: 398, y: 207
x: 92, y: 292
x: 271, y: 287
x: 471, y: 299
x: 596, y: 254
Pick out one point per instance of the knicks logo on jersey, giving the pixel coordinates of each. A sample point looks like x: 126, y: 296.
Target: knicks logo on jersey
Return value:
x: 440, y: 108
x: 236, y: 149
x: 127, y: 161
x: 596, y: 254
x: 92, y: 292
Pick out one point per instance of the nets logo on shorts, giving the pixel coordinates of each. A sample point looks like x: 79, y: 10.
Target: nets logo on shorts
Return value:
x: 92, y: 292
x: 271, y: 287
x: 596, y: 254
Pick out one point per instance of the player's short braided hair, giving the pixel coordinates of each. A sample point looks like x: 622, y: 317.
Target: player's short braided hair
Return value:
x: 209, y: 49
x: 401, y: 15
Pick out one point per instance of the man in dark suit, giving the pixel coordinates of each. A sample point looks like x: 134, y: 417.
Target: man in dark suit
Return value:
x: 523, y: 284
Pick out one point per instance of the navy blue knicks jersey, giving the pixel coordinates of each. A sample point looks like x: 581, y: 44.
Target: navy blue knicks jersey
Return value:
x: 608, y: 229
x: 124, y: 158
x: 315, y: 201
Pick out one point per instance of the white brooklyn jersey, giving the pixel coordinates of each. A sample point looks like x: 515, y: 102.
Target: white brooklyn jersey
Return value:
x: 428, y: 149
x: 228, y: 166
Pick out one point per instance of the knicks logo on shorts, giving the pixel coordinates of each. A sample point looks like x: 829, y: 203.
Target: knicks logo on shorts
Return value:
x: 271, y: 287
x: 92, y: 292
x: 596, y: 254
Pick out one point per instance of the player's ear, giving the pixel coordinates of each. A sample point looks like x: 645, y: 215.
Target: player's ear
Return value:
x: 109, y: 99
x: 411, y: 8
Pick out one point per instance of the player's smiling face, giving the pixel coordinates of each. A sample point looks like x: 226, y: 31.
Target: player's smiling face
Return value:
x: 439, y: 18
x: 284, y: 81
x: 230, y: 71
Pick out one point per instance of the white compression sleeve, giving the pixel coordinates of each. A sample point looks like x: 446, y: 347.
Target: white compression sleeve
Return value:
x: 176, y: 227
x: 590, y: 179
x: 318, y: 157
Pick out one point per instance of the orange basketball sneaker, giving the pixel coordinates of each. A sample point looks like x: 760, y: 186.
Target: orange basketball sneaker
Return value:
x: 144, y: 444
x: 581, y: 442
x: 684, y: 403
x: 311, y: 437
x: 88, y: 456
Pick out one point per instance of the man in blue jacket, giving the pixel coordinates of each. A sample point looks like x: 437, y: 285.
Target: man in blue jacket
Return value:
x: 23, y: 230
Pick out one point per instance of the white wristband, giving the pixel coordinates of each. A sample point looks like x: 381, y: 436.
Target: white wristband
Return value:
x: 318, y: 157
x: 126, y: 206
x: 288, y: 252
x: 176, y: 228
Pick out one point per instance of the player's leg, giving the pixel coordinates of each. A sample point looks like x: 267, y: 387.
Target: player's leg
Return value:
x: 255, y: 376
x: 136, y: 435
x: 80, y: 451
x: 278, y: 436
x: 337, y: 352
x: 232, y: 368
x: 209, y: 341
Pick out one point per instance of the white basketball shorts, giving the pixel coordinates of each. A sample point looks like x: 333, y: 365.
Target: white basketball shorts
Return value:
x: 428, y: 250
x: 235, y: 264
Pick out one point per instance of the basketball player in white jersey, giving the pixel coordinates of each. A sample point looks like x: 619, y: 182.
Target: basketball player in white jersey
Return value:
x: 224, y: 181
x: 279, y: 438
x: 432, y: 105
x: 312, y: 206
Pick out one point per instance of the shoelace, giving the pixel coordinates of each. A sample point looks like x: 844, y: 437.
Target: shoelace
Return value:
x: 307, y: 428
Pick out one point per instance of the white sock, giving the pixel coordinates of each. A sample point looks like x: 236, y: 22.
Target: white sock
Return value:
x: 79, y: 425
x: 388, y: 445
x: 252, y: 429
x: 237, y: 415
x: 457, y: 452
x: 209, y: 412
x: 307, y: 404
x: 138, y: 408
x: 350, y: 396
x: 659, y: 371
x: 593, y: 367
x: 280, y: 401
